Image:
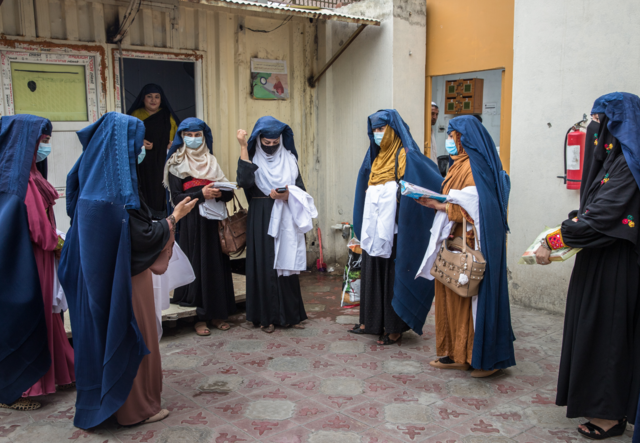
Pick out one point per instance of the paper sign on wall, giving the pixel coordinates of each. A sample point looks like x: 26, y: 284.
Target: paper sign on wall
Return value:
x: 269, y: 79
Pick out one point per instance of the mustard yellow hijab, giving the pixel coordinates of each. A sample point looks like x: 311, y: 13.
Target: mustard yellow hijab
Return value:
x: 383, y: 168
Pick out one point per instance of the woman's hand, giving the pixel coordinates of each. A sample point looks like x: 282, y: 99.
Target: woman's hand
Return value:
x: 241, y: 135
x: 148, y: 145
x: 184, y: 207
x: 276, y: 196
x: 210, y: 192
x: 431, y: 203
x: 542, y: 255
x: 169, y: 146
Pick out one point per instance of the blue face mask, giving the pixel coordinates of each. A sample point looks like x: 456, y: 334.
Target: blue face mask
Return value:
x: 377, y: 137
x: 43, y: 151
x: 451, y: 147
x: 142, y: 154
x: 193, y: 142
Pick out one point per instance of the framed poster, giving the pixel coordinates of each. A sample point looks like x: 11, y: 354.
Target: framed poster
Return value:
x: 269, y: 80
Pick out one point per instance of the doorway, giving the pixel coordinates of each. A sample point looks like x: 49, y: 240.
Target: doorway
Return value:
x: 490, y: 106
x: 176, y: 78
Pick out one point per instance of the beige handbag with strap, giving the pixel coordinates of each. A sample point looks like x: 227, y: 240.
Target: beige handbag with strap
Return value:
x: 458, y: 267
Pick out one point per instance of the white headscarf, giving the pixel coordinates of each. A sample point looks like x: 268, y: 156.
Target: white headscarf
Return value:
x: 274, y: 171
x: 196, y: 163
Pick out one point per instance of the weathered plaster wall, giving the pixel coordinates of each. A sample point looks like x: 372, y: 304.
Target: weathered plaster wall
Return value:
x: 560, y: 68
x: 383, y: 68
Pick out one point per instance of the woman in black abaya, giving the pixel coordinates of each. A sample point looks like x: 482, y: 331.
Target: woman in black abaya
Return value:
x: 192, y: 171
x: 160, y: 122
x: 271, y: 299
x: 599, y: 376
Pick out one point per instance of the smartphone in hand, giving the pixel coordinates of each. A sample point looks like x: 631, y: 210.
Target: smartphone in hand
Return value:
x: 281, y: 190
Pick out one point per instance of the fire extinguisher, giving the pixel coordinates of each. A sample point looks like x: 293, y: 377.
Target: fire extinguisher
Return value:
x: 574, y: 155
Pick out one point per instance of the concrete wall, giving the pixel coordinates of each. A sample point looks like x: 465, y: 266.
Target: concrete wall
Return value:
x: 561, y: 66
x: 491, y: 94
x: 383, y: 68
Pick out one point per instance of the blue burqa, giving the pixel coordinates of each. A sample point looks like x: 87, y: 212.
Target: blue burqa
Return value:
x: 191, y: 124
x: 412, y: 298
x: 95, y: 267
x: 493, y: 338
x: 24, y: 354
x: 271, y: 128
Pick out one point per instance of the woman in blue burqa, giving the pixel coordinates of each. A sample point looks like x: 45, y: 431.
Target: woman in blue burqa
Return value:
x: 35, y: 354
x: 393, y: 230
x: 473, y: 331
x: 106, y: 268
x: 161, y: 123
x: 268, y: 161
x: 599, y: 375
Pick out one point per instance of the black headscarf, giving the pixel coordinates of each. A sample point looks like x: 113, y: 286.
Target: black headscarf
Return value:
x: 157, y: 131
x: 152, y: 88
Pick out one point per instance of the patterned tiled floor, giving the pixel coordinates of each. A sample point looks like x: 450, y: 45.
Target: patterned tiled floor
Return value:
x: 322, y: 385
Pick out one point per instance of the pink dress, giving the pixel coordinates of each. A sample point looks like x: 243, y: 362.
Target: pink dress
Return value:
x: 44, y: 240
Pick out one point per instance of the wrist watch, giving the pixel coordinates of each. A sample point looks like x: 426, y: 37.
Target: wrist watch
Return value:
x: 544, y: 244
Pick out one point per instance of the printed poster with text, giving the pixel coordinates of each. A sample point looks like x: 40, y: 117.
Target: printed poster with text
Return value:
x: 269, y: 80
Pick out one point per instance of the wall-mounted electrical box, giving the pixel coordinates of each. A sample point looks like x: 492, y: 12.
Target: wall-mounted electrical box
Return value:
x: 464, y: 96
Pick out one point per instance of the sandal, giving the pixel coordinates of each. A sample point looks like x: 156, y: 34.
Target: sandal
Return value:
x: 597, y: 433
x: 22, y: 404
x: 223, y: 325
x: 67, y: 386
x: 269, y: 329
x: 298, y: 326
x: 386, y: 340
x: 164, y: 413
x: 448, y: 363
x: 201, y: 329
x: 356, y: 329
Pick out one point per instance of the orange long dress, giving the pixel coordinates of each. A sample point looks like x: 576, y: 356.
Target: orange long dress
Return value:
x: 454, y: 318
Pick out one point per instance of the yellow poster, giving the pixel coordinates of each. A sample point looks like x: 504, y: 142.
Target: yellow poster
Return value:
x: 57, y: 92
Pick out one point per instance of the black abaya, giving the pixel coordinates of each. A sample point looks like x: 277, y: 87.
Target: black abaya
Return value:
x: 600, y: 358
x: 271, y: 300
x: 151, y: 170
x: 376, y: 294
x: 212, y: 291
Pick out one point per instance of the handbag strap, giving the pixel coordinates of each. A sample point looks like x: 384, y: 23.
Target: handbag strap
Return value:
x: 399, y: 191
x: 236, y: 199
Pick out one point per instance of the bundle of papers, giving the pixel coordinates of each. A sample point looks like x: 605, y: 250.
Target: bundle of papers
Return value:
x: 415, y: 191
x: 562, y: 254
x: 216, y: 210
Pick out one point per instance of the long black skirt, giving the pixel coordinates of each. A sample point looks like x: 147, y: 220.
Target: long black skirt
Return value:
x: 376, y: 293
x: 212, y: 291
x: 271, y: 300
x: 600, y: 363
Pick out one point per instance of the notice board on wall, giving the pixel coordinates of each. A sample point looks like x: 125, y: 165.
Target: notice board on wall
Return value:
x: 269, y: 79
x: 53, y: 91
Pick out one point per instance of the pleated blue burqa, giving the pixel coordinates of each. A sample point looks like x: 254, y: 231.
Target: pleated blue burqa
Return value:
x: 24, y: 353
x: 95, y: 267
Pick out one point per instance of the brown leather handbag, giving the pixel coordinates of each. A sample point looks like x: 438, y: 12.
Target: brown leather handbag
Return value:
x: 454, y: 260
x: 233, y: 230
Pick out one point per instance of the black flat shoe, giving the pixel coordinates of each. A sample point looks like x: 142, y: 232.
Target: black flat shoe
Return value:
x: 597, y: 433
x: 356, y: 329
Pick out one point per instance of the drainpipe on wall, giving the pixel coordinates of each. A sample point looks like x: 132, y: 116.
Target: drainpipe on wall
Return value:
x: 313, y: 81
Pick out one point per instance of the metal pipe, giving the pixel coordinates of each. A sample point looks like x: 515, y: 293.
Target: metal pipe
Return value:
x: 314, y: 80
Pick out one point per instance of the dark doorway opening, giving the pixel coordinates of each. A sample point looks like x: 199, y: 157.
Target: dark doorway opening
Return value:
x: 177, y: 80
